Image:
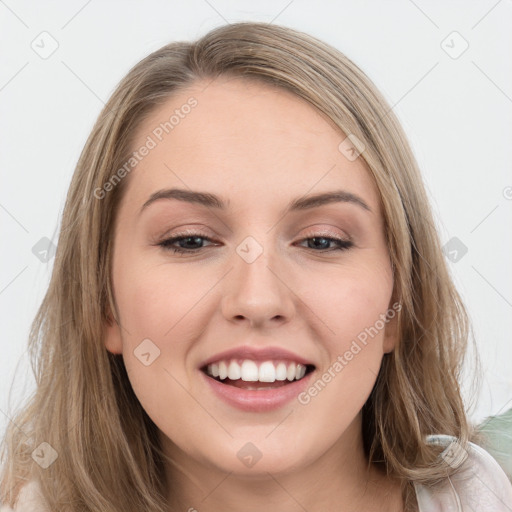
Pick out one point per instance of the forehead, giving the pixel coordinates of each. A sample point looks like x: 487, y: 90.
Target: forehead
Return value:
x: 235, y: 136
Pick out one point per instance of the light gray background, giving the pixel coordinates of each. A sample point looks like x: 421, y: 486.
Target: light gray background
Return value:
x: 456, y: 111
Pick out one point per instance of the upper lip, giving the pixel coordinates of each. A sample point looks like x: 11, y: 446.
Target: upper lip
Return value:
x: 256, y: 354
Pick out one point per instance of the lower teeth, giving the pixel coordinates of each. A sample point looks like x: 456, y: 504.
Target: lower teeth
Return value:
x: 253, y: 386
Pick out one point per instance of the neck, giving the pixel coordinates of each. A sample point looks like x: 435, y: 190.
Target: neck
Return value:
x: 338, y: 480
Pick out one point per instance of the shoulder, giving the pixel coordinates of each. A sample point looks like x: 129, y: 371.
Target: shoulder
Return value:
x: 479, y: 484
x: 29, y: 500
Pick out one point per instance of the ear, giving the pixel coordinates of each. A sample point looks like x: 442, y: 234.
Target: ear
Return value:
x: 112, y: 334
x: 391, y: 331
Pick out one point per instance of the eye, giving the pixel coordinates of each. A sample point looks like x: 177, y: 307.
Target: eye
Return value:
x: 320, y: 242
x: 189, y: 243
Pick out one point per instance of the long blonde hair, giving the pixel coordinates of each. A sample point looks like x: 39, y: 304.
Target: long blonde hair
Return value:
x: 109, y: 458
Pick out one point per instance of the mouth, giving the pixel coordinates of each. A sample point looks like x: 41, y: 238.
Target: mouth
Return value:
x: 251, y: 375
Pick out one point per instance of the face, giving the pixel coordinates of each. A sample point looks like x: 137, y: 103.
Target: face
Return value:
x: 256, y: 281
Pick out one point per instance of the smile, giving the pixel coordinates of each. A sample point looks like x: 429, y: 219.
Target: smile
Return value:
x: 256, y: 386
x: 239, y: 372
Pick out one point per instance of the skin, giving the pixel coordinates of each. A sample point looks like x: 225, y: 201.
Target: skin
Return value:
x: 257, y: 147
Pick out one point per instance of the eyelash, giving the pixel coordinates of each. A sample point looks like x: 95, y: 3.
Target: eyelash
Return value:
x: 343, y: 245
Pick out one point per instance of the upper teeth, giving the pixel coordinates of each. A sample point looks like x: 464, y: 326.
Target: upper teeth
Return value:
x: 248, y: 370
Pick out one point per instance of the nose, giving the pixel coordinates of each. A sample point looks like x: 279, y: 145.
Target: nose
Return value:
x: 258, y: 293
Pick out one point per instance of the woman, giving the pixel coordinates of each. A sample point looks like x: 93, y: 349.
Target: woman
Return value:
x: 249, y: 305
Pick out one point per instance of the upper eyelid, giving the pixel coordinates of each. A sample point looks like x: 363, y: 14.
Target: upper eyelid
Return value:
x: 187, y: 233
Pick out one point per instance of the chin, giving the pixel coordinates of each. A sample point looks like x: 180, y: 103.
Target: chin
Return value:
x: 257, y: 456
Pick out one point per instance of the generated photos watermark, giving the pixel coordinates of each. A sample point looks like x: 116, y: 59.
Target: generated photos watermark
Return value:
x: 344, y: 359
x: 152, y: 141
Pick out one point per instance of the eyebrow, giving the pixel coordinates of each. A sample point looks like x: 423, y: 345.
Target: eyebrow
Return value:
x: 212, y: 201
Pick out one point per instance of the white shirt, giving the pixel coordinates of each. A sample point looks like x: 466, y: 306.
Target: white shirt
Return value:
x: 480, y: 485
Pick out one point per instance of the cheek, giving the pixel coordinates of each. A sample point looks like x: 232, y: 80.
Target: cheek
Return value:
x: 351, y: 305
x: 162, y: 307
x: 349, y: 300
x: 157, y: 301
x: 167, y: 307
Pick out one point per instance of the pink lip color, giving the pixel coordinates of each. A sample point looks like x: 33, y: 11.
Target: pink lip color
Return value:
x: 257, y: 401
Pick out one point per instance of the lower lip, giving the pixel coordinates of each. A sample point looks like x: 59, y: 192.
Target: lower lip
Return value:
x: 257, y: 400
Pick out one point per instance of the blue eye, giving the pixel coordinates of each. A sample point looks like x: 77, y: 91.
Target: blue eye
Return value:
x: 319, y: 242
x: 192, y: 243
